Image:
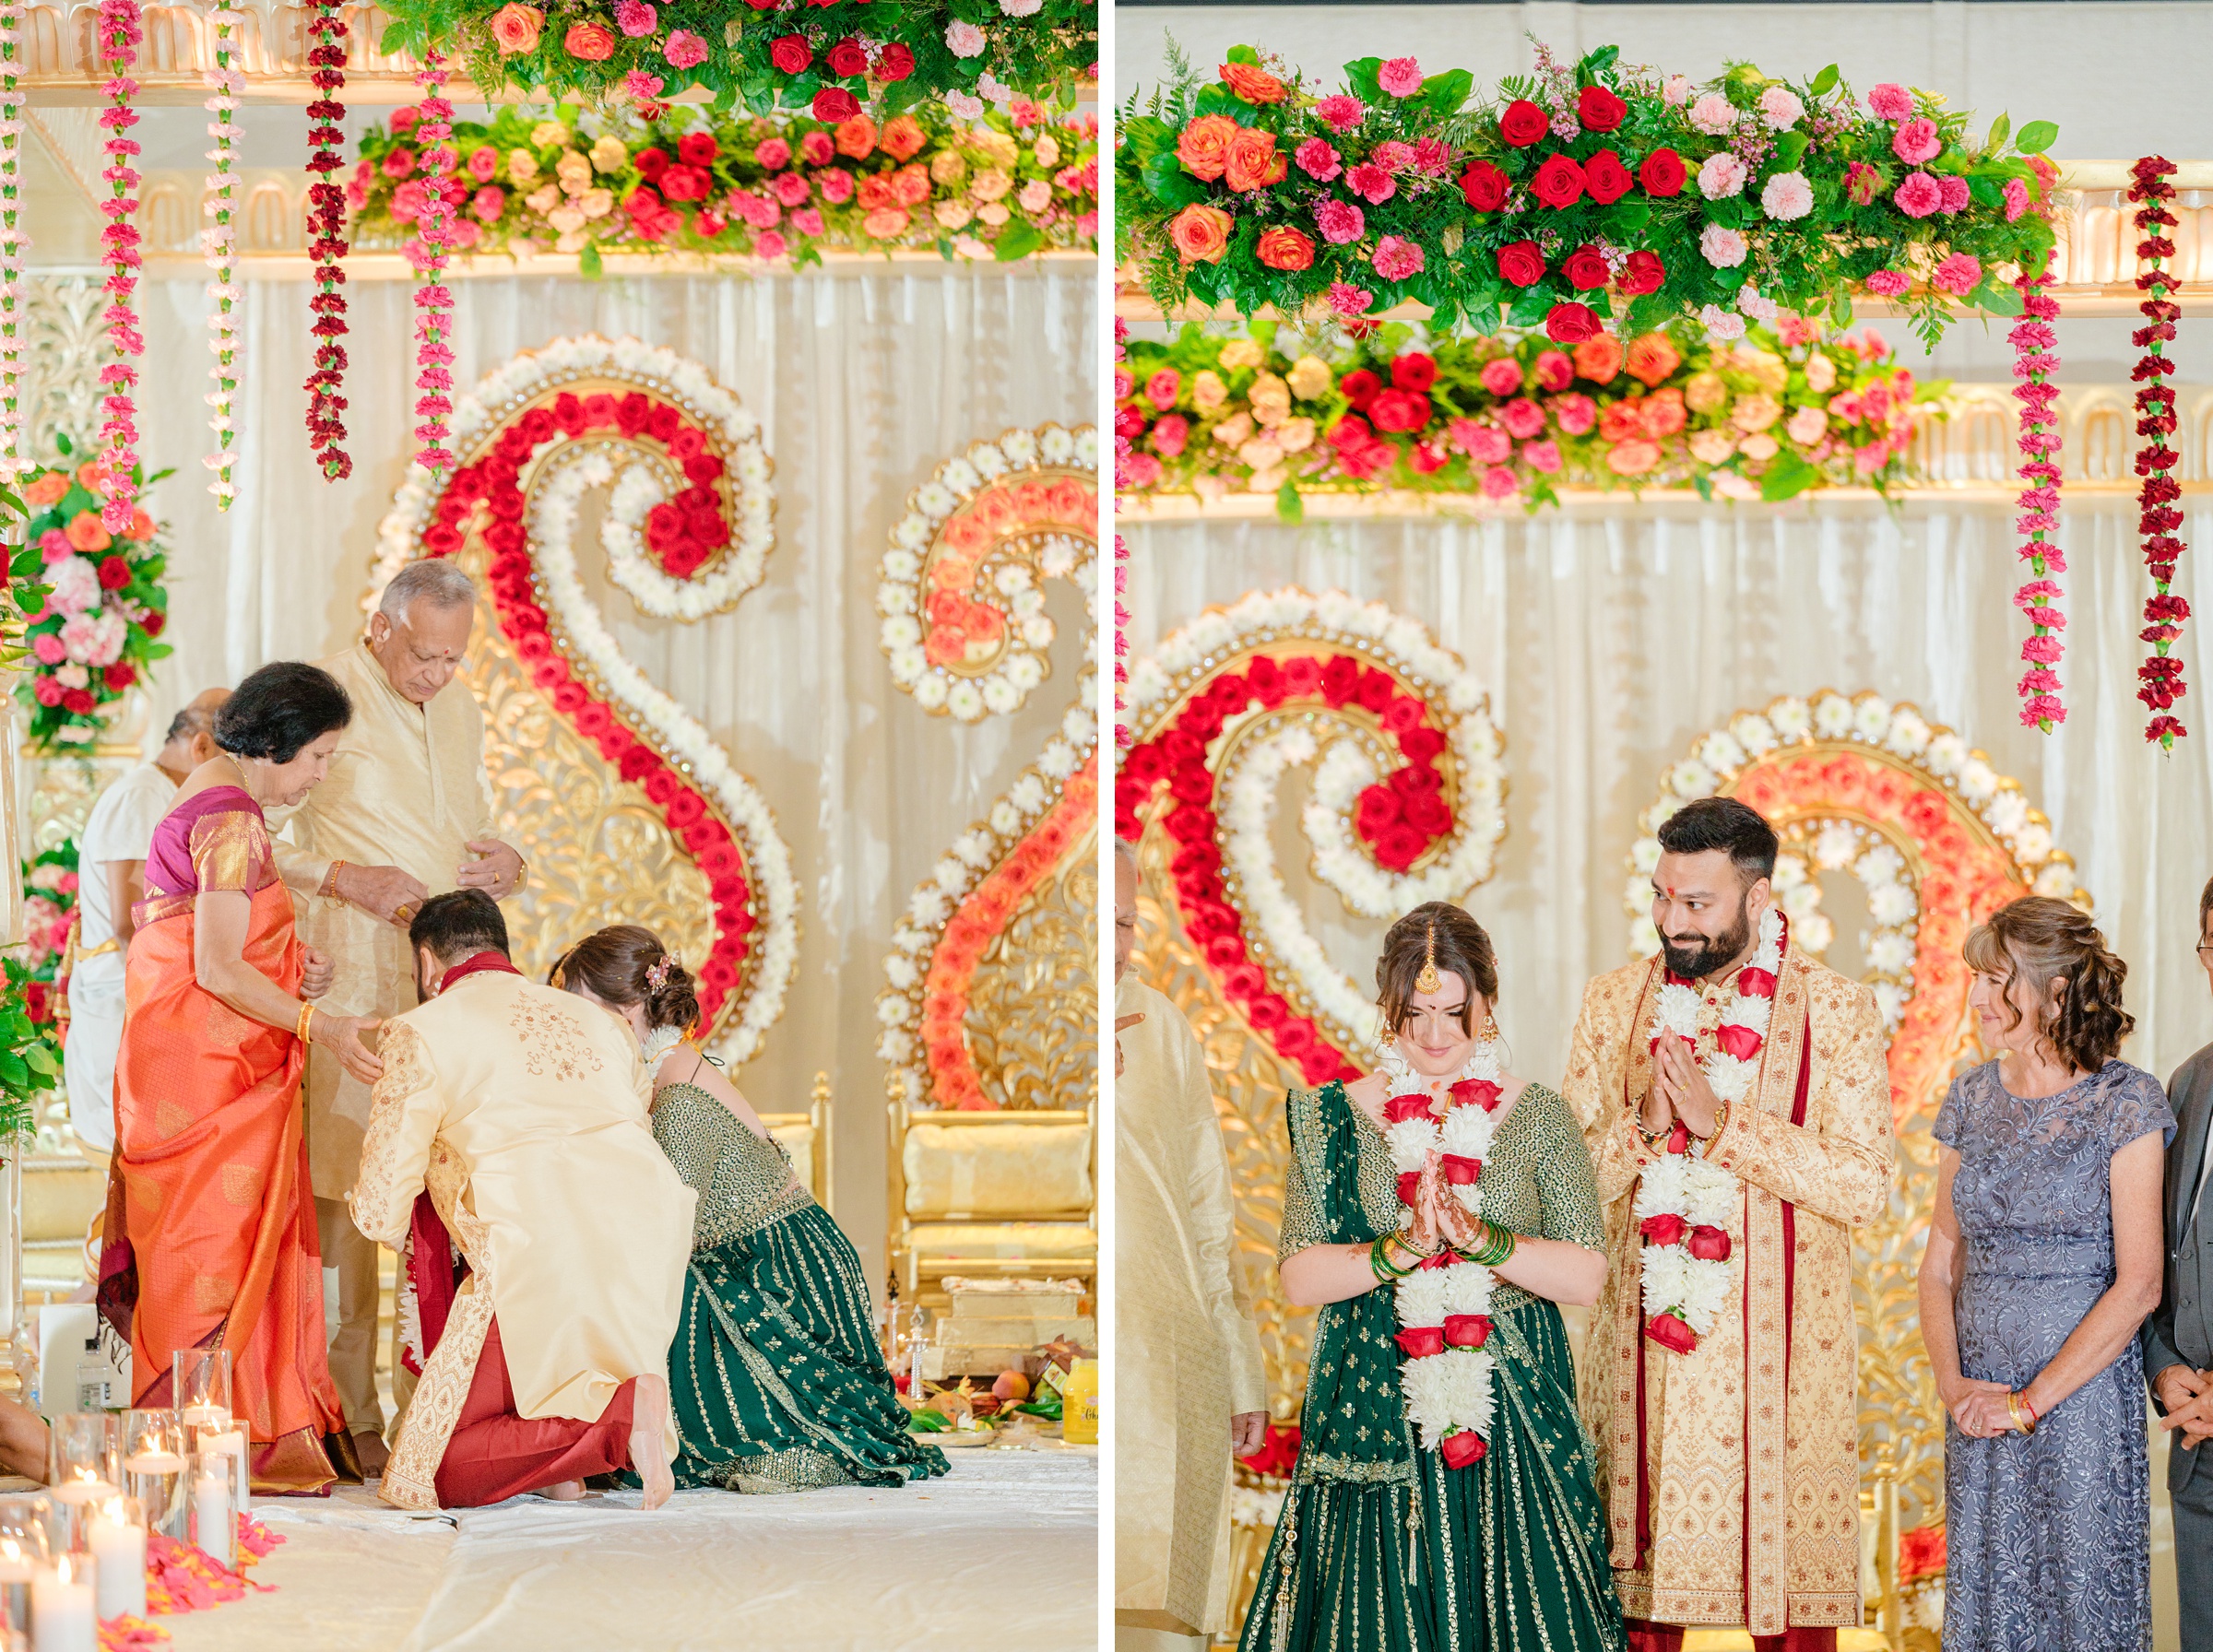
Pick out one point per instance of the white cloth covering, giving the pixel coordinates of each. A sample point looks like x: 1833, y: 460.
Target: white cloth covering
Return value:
x: 121, y: 827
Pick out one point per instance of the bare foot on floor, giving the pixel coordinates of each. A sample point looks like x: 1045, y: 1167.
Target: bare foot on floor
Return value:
x: 648, y: 1441
x: 372, y: 1451
x: 565, y: 1490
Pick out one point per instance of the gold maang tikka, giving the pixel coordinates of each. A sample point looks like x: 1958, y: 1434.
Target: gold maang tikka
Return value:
x: 1429, y: 980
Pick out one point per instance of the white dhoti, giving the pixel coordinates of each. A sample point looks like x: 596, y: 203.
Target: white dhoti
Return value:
x: 88, y: 1056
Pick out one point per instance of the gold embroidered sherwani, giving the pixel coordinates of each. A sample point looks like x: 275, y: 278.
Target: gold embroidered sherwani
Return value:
x: 1188, y: 1353
x: 1749, y: 1445
x: 406, y: 788
x: 523, y: 1110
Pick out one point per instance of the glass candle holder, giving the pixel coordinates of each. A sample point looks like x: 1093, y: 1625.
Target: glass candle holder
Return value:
x: 202, y: 1385
x: 63, y: 1607
x: 81, y: 1470
x: 117, y: 1543
x: 154, y: 1460
x: 26, y: 1545
x: 225, y: 1446
x: 214, y: 1512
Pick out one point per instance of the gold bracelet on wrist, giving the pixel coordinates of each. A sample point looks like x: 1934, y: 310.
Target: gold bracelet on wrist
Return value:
x: 300, y: 1027
x: 328, y: 888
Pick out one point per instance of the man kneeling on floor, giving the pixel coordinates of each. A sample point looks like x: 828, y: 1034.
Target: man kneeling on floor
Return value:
x: 542, y: 1235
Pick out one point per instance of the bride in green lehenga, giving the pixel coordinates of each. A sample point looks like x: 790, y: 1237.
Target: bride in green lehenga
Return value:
x: 777, y: 1380
x: 1382, y: 1544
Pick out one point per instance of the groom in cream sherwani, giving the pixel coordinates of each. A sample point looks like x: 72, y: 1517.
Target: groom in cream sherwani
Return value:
x: 511, y: 1123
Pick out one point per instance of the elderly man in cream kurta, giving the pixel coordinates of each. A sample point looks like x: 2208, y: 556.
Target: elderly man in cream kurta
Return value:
x: 522, y: 1111
x: 406, y: 812
x: 1187, y: 1374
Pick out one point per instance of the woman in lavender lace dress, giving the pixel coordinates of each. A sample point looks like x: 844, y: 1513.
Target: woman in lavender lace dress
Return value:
x: 2042, y: 1261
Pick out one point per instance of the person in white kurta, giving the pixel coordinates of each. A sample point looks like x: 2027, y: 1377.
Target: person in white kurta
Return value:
x: 111, y: 876
x: 1189, y: 1385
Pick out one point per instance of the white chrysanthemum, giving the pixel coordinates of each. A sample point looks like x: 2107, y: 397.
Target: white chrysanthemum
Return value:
x: 1729, y: 1078
x: 1467, y: 1288
x: 1430, y: 1391
x: 1832, y: 716
x: 1704, y: 1292
x: 1409, y: 1140
x: 1709, y: 1194
x: 1677, y: 1011
x: 1889, y: 953
x: 1421, y: 1297
x: 1790, y: 718
x: 1662, y: 1188
x: 1946, y: 753
x: 1466, y: 1132
x: 1752, y: 1012
x: 1836, y: 846
x: 1666, y: 1271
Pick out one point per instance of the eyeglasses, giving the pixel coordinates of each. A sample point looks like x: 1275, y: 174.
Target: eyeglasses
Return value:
x: 2203, y: 948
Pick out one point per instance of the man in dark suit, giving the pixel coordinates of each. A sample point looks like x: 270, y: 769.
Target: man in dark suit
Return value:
x: 2178, y: 1337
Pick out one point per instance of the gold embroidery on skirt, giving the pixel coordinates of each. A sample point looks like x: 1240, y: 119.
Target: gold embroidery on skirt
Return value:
x: 242, y: 1184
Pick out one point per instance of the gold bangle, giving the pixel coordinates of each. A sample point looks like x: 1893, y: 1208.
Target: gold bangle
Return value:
x: 328, y: 888
x: 300, y: 1027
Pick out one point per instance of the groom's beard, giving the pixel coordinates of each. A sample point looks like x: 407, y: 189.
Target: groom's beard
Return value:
x: 1694, y: 956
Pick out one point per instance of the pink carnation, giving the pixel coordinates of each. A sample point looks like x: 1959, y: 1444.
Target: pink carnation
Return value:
x: 1396, y: 259
x: 1541, y: 455
x: 1401, y: 76
x: 1486, y: 444
x: 1340, y: 113
x: 1317, y: 160
x: 2017, y: 198
x: 1956, y: 194
x: 1523, y: 417
x: 1576, y: 414
x: 1888, y: 283
x: 1392, y: 156
x: 634, y: 17
x: 1721, y: 174
x: 1498, y: 482
x: 1958, y: 273
x: 1916, y: 141
x: 1371, y: 183
x: 1919, y: 195
x: 1338, y: 221
x: 1348, y: 300
x: 684, y: 50
x: 1890, y: 103
x: 1502, y: 376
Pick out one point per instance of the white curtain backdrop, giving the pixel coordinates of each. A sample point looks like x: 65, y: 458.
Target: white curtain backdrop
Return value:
x: 1610, y: 636
x: 864, y: 379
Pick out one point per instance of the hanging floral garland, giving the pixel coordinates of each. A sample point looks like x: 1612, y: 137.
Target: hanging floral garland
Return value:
x: 1407, y: 802
x: 1577, y: 194
x: 95, y: 610
x: 118, y: 35
x: 1123, y: 482
x: 14, y: 242
x: 220, y: 243
x: 2035, y: 359
x: 778, y: 53
x: 696, y: 181
x: 326, y: 238
x: 49, y: 885
x: 434, y: 299
x: 2161, y: 675
x: 1517, y: 418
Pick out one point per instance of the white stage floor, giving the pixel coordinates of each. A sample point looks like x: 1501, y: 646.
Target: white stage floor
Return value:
x: 1003, y: 1553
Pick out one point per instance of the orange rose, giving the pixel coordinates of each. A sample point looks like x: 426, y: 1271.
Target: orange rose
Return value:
x: 1598, y: 358
x: 92, y: 475
x: 86, y: 534
x: 857, y: 137
x: 1653, y: 356
x: 142, y: 526
x: 910, y: 186
x: 1253, y: 163
x: 590, y: 42
x: 1203, y: 145
x: 1284, y: 248
x: 1633, y: 458
x: 885, y: 222
x: 47, y: 489
x: 1621, y: 421
x: 1253, y: 85
x: 514, y: 29
x: 902, y: 137
x: 1665, y: 413
x: 1201, y: 234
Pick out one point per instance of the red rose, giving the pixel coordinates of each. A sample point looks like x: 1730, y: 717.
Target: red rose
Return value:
x: 1284, y: 248
x: 1709, y: 1244
x: 1485, y: 186
x: 1571, y: 324
x: 1664, y: 1230
x: 120, y: 675
x: 155, y: 621
x: 1521, y: 263
x: 1661, y: 173
x: 1476, y: 1092
x: 790, y: 54
x: 895, y: 62
x: 1670, y: 1333
x: 1678, y: 1139
x: 1413, y: 371
x: 115, y: 574
x: 1399, y: 1108
x: 78, y: 700
x: 1586, y: 268
x: 686, y: 184
x: 1643, y: 273
x: 1606, y: 177
x: 1462, y: 1171
x: 1559, y: 183
x: 1523, y: 124
x: 1467, y: 1330
x: 1755, y: 984
x: 694, y: 148
x: 1408, y: 1182
x: 652, y: 163
x: 1399, y: 847
x: 1740, y: 1042
x: 1360, y: 387
x: 848, y: 58
x: 1419, y: 1341
x: 833, y: 104
x: 1599, y: 109
x: 1399, y: 411
x: 1462, y: 1449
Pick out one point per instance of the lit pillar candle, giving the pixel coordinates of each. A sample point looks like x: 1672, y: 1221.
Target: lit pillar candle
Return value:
x: 119, y: 1556
x: 213, y: 1531
x: 62, y: 1608
x: 84, y: 1486
x: 230, y: 1446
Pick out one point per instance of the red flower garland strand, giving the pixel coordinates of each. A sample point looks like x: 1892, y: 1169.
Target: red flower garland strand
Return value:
x: 2035, y: 359
x: 1121, y: 563
x: 2161, y: 674
x: 326, y: 232
x: 119, y: 34
x: 427, y: 252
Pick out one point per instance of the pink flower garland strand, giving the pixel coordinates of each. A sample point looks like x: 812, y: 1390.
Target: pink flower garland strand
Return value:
x: 119, y: 35
x: 13, y: 244
x: 2160, y: 496
x: 326, y: 228
x: 1121, y: 564
x: 433, y: 299
x: 2035, y: 360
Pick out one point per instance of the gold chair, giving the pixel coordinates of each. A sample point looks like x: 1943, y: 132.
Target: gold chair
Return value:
x: 1006, y: 1194
x: 806, y: 1137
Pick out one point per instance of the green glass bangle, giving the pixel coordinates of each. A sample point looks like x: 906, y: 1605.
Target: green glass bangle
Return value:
x: 1381, y: 1263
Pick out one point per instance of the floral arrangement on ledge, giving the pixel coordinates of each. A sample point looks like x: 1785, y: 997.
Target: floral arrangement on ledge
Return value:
x: 92, y: 601
x: 1574, y: 195
x: 765, y: 54
x: 1517, y: 416
x: 1001, y: 187
x: 31, y: 1044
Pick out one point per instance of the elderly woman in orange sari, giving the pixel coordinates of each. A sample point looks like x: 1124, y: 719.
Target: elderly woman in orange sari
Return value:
x: 210, y: 1237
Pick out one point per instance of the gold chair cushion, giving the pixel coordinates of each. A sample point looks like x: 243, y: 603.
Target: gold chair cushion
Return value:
x: 1005, y: 1168
x: 1056, y: 1247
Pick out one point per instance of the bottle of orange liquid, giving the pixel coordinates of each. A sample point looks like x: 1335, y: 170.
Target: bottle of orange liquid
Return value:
x: 1079, y: 1405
